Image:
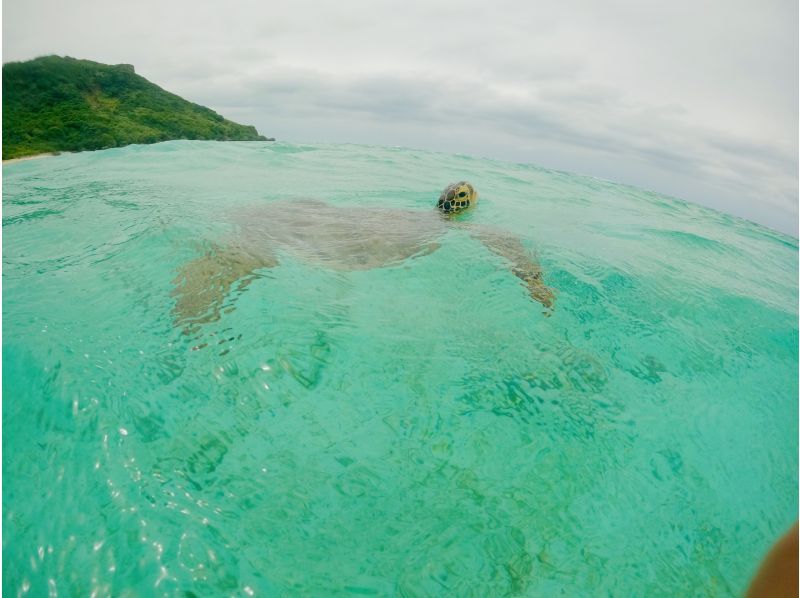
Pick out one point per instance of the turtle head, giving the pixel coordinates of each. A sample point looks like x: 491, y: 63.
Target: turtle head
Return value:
x: 457, y: 197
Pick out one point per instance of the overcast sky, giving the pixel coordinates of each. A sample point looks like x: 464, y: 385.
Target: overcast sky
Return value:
x: 696, y: 99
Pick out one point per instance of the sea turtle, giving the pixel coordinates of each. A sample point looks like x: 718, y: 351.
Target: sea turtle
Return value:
x: 339, y: 238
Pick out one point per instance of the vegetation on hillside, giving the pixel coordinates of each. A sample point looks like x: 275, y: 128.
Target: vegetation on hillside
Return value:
x: 53, y: 104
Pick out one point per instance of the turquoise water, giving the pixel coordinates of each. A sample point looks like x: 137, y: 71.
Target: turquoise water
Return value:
x: 414, y: 430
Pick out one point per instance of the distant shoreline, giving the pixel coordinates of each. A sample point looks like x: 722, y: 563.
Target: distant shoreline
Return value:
x: 33, y: 157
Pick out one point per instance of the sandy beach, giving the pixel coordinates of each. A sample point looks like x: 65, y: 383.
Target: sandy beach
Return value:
x: 34, y: 157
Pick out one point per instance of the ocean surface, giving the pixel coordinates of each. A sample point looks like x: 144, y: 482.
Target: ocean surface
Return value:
x: 415, y: 427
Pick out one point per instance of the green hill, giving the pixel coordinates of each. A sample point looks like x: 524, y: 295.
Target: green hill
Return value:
x: 55, y: 104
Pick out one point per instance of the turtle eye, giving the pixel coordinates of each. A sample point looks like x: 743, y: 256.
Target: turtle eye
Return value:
x: 462, y: 194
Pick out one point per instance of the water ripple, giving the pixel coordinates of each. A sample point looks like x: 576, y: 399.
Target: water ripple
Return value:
x: 354, y: 422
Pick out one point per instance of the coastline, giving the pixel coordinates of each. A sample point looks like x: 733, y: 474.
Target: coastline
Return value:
x: 33, y: 157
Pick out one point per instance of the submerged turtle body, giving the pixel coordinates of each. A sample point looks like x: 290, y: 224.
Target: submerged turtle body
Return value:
x: 339, y: 238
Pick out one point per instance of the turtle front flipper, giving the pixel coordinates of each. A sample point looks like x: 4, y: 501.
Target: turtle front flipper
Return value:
x: 523, y: 265
x: 531, y: 275
x: 203, y: 284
